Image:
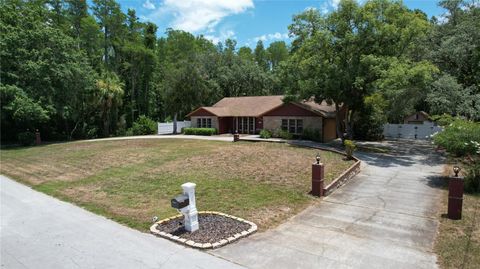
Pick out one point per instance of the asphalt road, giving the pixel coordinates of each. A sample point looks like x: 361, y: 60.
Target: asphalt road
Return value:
x: 38, y: 231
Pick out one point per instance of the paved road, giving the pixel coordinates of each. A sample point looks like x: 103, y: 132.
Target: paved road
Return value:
x: 38, y: 231
x: 384, y: 218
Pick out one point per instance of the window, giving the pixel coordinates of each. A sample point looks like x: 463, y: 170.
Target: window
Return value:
x: 285, y: 125
x: 299, y: 126
x: 293, y: 126
x: 204, y: 123
x: 250, y: 121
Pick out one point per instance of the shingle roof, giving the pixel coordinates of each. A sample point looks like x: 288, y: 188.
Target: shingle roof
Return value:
x: 255, y: 106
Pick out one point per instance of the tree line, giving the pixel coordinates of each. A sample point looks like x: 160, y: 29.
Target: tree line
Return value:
x: 77, y: 71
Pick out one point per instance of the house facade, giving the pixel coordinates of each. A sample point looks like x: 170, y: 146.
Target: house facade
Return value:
x: 251, y: 114
x: 419, y: 117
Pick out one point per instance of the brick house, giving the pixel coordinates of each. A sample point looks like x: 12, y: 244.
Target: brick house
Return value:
x: 417, y: 118
x: 250, y: 114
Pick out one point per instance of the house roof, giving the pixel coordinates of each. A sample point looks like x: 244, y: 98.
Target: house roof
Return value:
x: 255, y: 106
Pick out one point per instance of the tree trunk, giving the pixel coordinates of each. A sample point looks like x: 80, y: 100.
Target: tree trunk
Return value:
x: 175, y: 123
x: 338, y: 122
x: 349, y: 124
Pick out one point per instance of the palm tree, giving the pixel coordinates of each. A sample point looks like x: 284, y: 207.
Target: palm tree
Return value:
x: 109, y: 96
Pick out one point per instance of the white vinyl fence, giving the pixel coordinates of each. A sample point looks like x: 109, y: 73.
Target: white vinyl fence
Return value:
x: 167, y: 127
x: 410, y: 131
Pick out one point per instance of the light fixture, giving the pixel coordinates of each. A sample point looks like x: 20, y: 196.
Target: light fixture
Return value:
x: 456, y: 170
x: 318, y: 158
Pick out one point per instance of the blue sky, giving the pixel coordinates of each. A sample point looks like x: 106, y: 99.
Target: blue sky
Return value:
x: 246, y: 21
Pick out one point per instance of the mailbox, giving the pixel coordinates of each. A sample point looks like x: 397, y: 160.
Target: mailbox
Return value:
x: 180, y: 201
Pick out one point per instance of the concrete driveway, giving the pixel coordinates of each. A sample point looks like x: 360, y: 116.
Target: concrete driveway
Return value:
x: 38, y: 231
x: 384, y: 218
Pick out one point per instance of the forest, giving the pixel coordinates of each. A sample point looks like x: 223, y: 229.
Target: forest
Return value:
x: 75, y: 69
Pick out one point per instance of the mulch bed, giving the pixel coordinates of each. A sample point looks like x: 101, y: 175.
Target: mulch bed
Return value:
x: 213, y: 228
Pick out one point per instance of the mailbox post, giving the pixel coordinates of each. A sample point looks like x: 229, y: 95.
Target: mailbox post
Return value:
x: 455, y: 195
x: 236, y: 136
x: 318, y: 170
x: 191, y: 214
x: 185, y: 203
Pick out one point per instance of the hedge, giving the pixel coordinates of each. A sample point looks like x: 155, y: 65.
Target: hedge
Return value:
x: 199, y: 131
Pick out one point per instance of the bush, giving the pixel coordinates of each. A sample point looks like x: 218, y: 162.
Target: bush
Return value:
x: 350, y: 147
x: 312, y: 134
x: 369, y: 120
x: 279, y: 133
x: 443, y: 120
x: 26, y: 138
x: 265, y: 134
x: 199, y: 131
x: 472, y: 179
x: 143, y: 126
x: 461, y: 138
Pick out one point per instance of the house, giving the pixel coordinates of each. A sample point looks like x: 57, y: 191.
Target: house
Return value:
x: 419, y: 117
x: 250, y: 114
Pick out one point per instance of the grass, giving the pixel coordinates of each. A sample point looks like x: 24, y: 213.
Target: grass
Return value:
x: 458, y: 241
x: 132, y: 180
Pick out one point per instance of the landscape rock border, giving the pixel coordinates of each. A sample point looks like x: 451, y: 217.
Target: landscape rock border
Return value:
x: 190, y: 243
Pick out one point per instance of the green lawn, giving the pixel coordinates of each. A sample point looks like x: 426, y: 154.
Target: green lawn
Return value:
x: 132, y: 180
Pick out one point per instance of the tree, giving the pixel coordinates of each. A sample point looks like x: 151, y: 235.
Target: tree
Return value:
x: 334, y: 52
x: 44, y: 63
x: 108, y: 94
x: 111, y: 20
x: 245, y: 53
x: 277, y: 52
x: 261, y: 56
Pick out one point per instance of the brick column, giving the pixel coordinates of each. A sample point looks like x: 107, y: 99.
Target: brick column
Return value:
x: 455, y: 198
x: 317, y: 179
x: 38, y: 140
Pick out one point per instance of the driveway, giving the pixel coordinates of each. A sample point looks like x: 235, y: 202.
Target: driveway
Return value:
x: 384, y: 218
x: 38, y: 231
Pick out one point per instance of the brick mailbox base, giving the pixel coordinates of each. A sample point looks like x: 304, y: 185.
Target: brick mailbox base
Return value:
x: 318, y: 171
x: 455, y: 198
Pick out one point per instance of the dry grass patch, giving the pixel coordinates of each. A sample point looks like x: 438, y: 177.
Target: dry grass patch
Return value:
x: 132, y: 180
x: 458, y: 241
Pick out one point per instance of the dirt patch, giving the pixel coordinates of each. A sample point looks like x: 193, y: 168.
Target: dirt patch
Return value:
x: 213, y: 228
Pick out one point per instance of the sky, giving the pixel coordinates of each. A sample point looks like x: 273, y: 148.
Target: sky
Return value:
x: 246, y: 21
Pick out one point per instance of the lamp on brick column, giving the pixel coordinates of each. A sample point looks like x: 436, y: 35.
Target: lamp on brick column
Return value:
x: 317, y: 177
x: 455, y: 195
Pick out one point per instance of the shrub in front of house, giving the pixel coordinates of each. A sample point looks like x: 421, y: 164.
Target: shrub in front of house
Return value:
x: 199, y: 131
x: 266, y: 134
x: 143, y: 126
x: 350, y: 147
x: 461, y: 138
x: 279, y: 133
x: 312, y: 134
x: 26, y: 138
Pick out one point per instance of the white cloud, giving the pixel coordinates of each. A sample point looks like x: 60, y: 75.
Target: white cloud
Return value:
x: 274, y: 36
x: 148, y: 5
x: 329, y: 5
x: 199, y: 15
x: 224, y: 35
